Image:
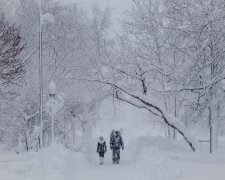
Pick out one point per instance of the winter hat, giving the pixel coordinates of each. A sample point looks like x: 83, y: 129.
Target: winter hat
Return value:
x: 116, y: 133
x: 101, y: 139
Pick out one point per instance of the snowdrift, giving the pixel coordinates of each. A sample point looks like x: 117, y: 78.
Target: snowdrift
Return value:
x: 161, y: 143
x: 147, y: 153
x: 55, y: 163
x: 141, y: 157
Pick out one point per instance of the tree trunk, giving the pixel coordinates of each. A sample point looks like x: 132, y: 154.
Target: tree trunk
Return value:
x: 175, y: 115
x: 213, y: 133
x: 73, y: 131
x: 210, y: 131
x: 52, y: 129
x: 26, y: 142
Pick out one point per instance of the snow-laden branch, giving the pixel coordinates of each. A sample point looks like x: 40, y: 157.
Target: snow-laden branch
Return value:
x: 192, y: 89
x: 159, y: 111
x: 155, y: 108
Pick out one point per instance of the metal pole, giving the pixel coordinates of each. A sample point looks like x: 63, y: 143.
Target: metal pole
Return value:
x: 52, y: 122
x: 40, y: 76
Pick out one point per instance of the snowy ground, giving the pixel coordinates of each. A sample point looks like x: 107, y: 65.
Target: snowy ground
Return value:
x: 60, y: 164
x: 147, y: 156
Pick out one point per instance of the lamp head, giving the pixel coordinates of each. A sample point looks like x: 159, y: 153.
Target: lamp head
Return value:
x: 52, y: 88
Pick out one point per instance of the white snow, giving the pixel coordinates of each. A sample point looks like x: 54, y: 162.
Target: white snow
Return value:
x: 147, y: 156
x: 48, y: 18
x: 52, y: 87
x: 140, y: 162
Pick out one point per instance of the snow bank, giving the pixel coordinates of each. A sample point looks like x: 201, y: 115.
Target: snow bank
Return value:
x: 11, y: 166
x: 159, y: 142
x: 147, y: 153
x: 55, y: 163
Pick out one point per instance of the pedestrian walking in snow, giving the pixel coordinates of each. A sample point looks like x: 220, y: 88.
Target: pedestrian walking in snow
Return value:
x: 101, y: 149
x: 112, y: 134
x: 116, y: 142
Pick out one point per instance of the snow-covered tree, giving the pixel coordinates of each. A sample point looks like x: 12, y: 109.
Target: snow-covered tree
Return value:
x: 71, y: 52
x: 173, y: 51
x: 12, y: 66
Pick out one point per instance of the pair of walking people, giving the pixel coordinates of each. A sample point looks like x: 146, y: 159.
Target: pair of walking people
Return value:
x: 116, y: 143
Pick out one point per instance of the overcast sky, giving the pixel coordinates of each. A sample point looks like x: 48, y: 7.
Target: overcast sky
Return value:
x: 119, y: 6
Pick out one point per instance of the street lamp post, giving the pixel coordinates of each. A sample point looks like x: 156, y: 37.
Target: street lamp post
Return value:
x: 42, y: 18
x: 40, y: 76
x: 53, y: 105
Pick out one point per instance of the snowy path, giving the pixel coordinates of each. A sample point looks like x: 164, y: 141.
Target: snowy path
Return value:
x: 66, y: 165
x: 111, y: 172
x: 126, y: 170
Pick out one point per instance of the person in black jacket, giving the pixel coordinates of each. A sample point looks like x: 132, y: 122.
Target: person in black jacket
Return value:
x: 101, y: 149
x: 116, y: 142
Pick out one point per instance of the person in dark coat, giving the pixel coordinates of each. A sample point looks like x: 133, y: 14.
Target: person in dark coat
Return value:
x: 116, y: 142
x: 101, y: 149
x: 112, y: 134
